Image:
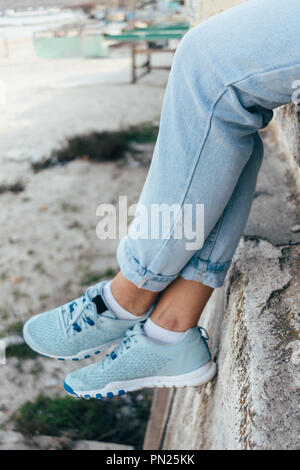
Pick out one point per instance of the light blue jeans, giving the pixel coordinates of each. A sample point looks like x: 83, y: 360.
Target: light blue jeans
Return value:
x: 227, y: 76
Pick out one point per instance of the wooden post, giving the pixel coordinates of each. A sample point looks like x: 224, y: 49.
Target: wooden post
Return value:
x: 149, y: 63
x: 161, y: 403
x: 133, y: 63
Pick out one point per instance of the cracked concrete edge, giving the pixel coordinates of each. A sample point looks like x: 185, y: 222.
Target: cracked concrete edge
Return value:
x: 287, y: 122
x: 275, y: 209
x: 253, y: 402
x: 259, y: 338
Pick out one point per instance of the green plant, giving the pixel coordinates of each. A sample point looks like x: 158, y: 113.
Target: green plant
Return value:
x: 21, y: 351
x: 143, y: 134
x: 100, y: 146
x: 12, y: 329
x: 121, y: 419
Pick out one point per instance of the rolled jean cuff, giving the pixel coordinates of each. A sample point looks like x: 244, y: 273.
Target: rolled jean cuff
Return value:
x: 206, y: 272
x: 140, y: 275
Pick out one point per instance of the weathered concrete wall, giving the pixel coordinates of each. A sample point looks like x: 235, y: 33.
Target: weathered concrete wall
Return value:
x: 253, y: 403
x: 287, y: 118
x: 254, y: 327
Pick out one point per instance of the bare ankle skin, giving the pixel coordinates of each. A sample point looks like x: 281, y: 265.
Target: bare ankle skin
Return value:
x: 181, y: 304
x: 134, y: 299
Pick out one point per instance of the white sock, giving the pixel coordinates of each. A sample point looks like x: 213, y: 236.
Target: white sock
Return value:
x: 158, y: 333
x: 116, y: 308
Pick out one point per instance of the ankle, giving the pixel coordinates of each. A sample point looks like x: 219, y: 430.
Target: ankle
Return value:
x: 135, y: 300
x: 181, y: 304
x: 172, y: 320
x: 115, y: 307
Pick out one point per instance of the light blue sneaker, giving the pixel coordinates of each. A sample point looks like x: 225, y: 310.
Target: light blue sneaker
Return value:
x: 139, y: 362
x: 78, y: 329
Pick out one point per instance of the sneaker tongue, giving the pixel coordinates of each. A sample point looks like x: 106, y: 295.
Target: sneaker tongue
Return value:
x: 100, y: 305
x: 95, y: 294
x: 97, y: 298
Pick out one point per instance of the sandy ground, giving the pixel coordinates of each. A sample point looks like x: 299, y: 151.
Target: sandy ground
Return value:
x: 48, y: 246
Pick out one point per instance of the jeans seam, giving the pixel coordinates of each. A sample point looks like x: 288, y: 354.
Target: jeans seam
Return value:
x: 212, y: 242
x: 194, y: 167
x: 224, y: 264
x: 217, y: 235
x: 213, y: 278
x: 260, y: 73
x: 197, y: 274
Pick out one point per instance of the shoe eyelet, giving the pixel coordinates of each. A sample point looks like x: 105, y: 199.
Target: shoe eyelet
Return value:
x: 76, y: 327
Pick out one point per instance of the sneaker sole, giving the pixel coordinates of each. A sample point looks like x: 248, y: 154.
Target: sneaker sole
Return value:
x: 192, y: 379
x: 78, y: 357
